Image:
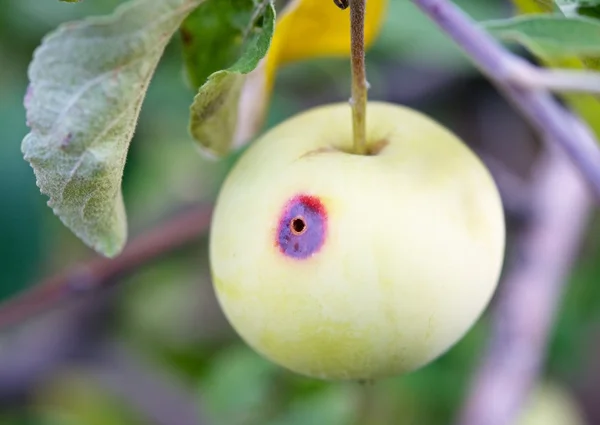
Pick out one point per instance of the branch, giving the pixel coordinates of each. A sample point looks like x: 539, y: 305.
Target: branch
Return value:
x: 559, y: 80
x: 544, y: 112
x: 530, y: 294
x: 101, y: 272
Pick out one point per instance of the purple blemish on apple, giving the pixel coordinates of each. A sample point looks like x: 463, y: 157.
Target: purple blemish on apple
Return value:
x: 302, y: 227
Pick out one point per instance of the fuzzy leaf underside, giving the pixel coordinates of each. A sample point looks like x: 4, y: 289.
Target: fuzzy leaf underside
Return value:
x: 87, y: 83
x: 214, y: 112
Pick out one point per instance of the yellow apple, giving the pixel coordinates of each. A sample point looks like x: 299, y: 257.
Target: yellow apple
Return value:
x: 342, y: 266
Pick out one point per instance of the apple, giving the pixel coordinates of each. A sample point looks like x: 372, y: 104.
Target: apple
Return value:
x: 551, y: 404
x: 356, y: 267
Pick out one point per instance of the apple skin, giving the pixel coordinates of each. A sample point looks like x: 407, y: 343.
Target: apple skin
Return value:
x: 411, y: 248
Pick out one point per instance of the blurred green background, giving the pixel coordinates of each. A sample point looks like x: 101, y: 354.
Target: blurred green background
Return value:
x: 167, y: 312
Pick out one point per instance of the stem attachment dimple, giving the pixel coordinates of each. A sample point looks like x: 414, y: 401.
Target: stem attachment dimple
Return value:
x: 359, y: 76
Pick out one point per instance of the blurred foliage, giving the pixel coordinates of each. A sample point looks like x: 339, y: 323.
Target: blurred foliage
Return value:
x: 168, y: 310
x: 586, y: 105
x: 71, y: 400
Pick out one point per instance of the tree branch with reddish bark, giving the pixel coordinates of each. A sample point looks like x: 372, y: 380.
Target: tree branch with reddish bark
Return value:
x: 175, y: 233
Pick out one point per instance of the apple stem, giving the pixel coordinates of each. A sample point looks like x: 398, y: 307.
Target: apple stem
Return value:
x: 359, y: 75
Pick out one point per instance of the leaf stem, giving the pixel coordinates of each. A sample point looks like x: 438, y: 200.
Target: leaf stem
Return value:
x: 359, y: 76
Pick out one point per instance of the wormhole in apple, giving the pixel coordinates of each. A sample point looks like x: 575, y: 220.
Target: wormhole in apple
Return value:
x: 298, y: 225
x: 302, y: 227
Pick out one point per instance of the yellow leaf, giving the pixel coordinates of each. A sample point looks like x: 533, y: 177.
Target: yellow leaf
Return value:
x: 588, y: 108
x: 534, y: 6
x: 318, y: 28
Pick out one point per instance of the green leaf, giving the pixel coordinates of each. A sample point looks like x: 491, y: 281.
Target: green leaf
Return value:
x: 88, y: 80
x: 238, y: 34
x: 551, y: 36
x: 591, y: 10
x: 213, y: 37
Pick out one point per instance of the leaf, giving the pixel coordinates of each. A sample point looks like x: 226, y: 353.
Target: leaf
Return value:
x: 217, y: 34
x: 591, y: 10
x: 238, y: 31
x: 536, y: 6
x: 87, y: 83
x: 550, y: 36
x: 588, y: 108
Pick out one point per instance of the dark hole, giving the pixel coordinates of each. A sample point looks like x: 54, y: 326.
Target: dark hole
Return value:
x: 298, y: 225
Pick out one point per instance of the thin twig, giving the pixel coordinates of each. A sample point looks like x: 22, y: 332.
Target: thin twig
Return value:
x: 100, y: 272
x: 553, y: 121
x: 530, y: 294
x: 359, y: 75
x: 558, y: 80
